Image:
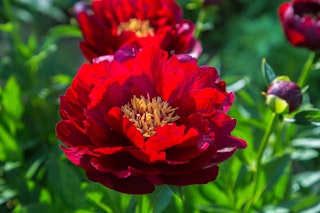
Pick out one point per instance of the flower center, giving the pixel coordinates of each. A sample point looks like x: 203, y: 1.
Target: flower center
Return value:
x: 139, y: 27
x: 148, y: 114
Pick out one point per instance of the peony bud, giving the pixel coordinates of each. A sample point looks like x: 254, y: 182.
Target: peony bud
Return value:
x: 283, y: 96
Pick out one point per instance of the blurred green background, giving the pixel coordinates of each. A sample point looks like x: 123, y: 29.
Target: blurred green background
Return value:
x: 39, y: 55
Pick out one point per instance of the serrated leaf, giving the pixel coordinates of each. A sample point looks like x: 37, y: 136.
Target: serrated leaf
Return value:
x: 308, y: 117
x: 267, y: 72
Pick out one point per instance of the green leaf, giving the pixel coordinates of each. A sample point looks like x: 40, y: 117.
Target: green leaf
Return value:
x: 301, y: 203
x: 274, y: 170
x: 62, y: 79
x: 34, y: 167
x: 9, y: 166
x: 177, y: 191
x: 9, y: 148
x: 313, y: 143
x: 7, y: 27
x: 275, y: 209
x: 307, y: 179
x: 308, y: 117
x: 39, y: 208
x: 238, y: 85
x: 312, y: 209
x: 304, y: 154
x: 64, y: 183
x: 11, y: 99
x: 94, y: 194
x: 61, y: 31
x: 6, y: 194
x: 160, y: 199
x: 267, y: 72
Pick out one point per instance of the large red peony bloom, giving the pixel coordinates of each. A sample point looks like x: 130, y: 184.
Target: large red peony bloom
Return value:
x: 141, y: 118
x: 108, y: 24
x: 300, y: 20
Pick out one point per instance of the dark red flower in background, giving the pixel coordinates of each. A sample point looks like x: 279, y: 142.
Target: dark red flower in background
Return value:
x: 141, y: 118
x: 108, y: 24
x: 300, y: 20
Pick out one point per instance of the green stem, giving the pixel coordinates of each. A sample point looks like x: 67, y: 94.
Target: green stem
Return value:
x: 265, y: 139
x: 306, y: 70
x: 262, y: 147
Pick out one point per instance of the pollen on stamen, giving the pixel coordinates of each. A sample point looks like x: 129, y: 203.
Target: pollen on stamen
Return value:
x: 148, y: 114
x: 141, y: 28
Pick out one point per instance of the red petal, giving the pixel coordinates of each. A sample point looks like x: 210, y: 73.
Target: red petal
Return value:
x: 122, y: 125
x: 169, y: 136
x: 71, y: 110
x: 71, y: 135
x: 109, y: 150
x: 129, y: 185
x: 133, y: 134
x: 221, y: 124
x: 148, y: 156
x: 200, y: 176
x: 202, y: 160
x: 233, y: 141
x: 112, y: 165
x: 203, y: 101
x: 80, y: 156
x: 186, y: 153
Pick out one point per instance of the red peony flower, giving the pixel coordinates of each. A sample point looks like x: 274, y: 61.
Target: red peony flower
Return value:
x: 300, y: 20
x: 140, y: 119
x: 108, y: 24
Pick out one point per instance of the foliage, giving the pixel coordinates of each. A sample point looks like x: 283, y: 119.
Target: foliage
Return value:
x: 277, y: 172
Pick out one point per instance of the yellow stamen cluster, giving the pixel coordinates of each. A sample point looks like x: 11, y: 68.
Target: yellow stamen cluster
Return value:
x: 139, y: 27
x: 148, y: 114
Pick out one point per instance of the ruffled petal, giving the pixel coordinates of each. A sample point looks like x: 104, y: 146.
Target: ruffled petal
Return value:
x: 80, y: 156
x: 70, y: 134
x: 201, y: 176
x: 129, y: 185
